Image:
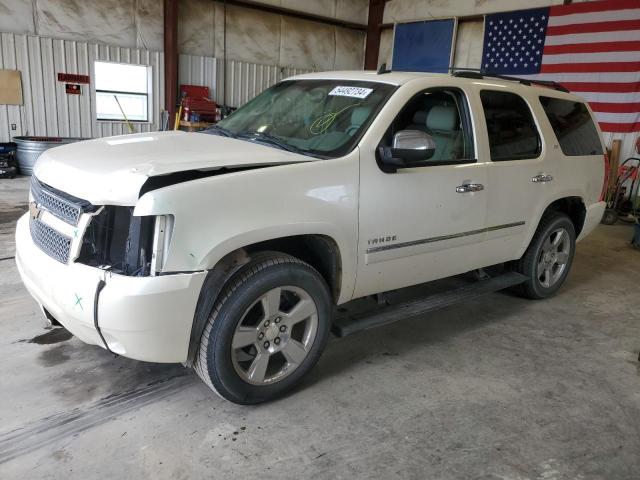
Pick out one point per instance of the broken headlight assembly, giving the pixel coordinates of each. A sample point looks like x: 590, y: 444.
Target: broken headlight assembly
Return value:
x: 130, y: 245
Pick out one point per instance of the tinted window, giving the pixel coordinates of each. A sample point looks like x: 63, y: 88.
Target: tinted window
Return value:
x: 573, y: 126
x: 512, y: 132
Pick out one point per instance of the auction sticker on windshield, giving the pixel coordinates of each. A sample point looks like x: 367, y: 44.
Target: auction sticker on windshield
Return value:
x: 356, y: 92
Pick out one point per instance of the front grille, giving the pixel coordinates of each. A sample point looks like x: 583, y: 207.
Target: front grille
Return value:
x: 51, y: 242
x: 66, y: 209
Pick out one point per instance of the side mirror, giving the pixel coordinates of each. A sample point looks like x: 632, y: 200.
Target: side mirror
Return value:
x: 410, y: 148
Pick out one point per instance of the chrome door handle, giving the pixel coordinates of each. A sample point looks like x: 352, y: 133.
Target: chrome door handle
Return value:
x: 470, y: 187
x: 542, y: 178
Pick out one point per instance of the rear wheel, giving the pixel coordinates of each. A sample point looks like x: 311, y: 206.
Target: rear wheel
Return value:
x: 266, y: 331
x: 548, y: 259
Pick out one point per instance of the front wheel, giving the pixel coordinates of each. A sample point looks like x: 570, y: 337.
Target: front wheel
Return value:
x: 266, y: 331
x: 548, y: 259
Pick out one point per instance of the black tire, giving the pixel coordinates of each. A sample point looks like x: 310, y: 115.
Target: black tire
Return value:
x: 609, y: 217
x: 266, y: 271
x: 528, y: 265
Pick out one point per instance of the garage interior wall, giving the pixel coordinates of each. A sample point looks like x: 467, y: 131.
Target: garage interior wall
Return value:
x: 262, y: 48
x: 470, y: 35
x: 47, y: 109
x: 44, y: 37
x: 244, y: 79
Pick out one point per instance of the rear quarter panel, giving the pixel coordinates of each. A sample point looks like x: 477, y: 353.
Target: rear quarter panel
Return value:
x: 573, y: 176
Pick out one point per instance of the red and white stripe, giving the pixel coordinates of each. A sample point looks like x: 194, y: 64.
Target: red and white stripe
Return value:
x: 593, y: 49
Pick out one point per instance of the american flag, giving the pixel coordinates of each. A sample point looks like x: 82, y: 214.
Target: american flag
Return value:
x: 591, y: 48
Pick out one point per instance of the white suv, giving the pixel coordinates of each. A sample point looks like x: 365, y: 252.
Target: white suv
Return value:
x: 228, y: 250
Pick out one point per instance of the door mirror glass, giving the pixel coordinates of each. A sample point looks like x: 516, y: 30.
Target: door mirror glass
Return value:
x: 409, y: 148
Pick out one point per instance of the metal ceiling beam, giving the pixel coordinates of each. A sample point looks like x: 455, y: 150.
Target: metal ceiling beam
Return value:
x: 475, y: 16
x: 294, y: 14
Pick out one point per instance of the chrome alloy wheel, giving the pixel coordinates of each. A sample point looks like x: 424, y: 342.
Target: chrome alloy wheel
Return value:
x: 274, y: 335
x: 554, y: 256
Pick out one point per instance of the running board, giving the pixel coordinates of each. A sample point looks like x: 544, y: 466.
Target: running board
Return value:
x: 393, y: 313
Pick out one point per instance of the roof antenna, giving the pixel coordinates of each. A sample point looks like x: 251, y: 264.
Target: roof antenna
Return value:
x: 383, y: 69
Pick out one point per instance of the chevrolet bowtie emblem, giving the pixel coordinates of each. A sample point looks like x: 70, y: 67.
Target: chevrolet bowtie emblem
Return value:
x: 34, y: 210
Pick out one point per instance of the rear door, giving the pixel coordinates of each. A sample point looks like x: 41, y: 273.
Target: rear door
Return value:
x: 520, y: 175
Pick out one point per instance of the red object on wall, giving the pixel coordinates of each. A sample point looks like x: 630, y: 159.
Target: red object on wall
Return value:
x: 73, y: 78
x: 72, y: 89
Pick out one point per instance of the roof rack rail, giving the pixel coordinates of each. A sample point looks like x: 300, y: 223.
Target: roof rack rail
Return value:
x: 383, y: 69
x: 480, y: 74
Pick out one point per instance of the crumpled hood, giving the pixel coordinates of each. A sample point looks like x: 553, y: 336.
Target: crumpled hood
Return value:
x: 112, y: 170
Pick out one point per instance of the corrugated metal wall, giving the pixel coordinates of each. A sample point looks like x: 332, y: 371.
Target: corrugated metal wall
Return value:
x: 47, y: 109
x: 244, y: 80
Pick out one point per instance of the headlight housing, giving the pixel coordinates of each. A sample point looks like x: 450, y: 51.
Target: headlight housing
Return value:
x: 163, y: 228
x: 117, y: 240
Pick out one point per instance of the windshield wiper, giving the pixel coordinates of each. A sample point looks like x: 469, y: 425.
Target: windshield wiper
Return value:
x: 218, y: 130
x: 271, y: 140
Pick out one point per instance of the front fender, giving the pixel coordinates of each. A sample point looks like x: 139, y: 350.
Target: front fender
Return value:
x: 274, y: 232
x: 219, y: 214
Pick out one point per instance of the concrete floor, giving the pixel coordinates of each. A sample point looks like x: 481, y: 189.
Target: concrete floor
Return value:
x: 496, y: 388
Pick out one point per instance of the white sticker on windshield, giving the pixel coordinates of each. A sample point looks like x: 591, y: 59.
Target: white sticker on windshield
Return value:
x: 356, y: 92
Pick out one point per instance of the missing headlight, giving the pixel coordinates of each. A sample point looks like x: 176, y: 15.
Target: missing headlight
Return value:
x: 117, y: 239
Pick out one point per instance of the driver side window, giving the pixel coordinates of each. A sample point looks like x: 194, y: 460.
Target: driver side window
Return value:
x: 443, y: 114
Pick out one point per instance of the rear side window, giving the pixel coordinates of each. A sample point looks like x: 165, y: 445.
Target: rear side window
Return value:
x: 513, y: 134
x: 573, y: 126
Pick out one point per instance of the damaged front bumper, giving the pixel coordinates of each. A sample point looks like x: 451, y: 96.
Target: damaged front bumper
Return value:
x: 145, y: 318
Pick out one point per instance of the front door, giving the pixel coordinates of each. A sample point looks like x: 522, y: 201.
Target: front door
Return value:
x: 424, y: 223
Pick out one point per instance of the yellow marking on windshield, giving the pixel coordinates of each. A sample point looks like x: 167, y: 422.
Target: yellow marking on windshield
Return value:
x: 321, y: 124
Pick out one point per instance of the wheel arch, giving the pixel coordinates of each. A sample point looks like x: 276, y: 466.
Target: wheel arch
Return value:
x: 320, y: 251
x: 572, y: 206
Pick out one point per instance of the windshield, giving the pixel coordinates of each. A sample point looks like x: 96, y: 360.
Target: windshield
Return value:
x: 316, y: 117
